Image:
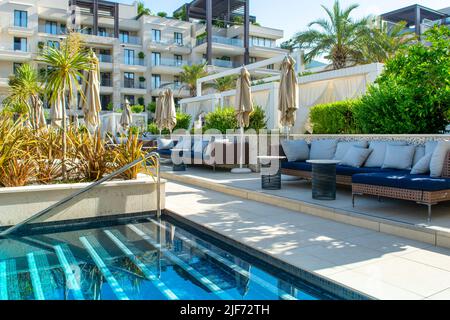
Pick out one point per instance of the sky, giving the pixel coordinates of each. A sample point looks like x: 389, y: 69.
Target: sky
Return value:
x: 294, y: 15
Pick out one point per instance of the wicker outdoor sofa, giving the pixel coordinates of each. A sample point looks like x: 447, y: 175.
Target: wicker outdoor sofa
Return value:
x: 388, y: 183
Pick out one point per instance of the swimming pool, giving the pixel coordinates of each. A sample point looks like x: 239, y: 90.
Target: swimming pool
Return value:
x: 142, y: 259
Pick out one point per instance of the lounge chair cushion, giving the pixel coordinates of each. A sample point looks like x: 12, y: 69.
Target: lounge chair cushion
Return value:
x: 297, y: 165
x: 340, y: 169
x: 165, y: 144
x: 355, y: 157
x: 438, y: 158
x: 323, y: 149
x: 403, y: 180
x: 295, y: 150
x: 376, y: 158
x: 399, y: 157
x: 344, y: 146
x: 165, y: 152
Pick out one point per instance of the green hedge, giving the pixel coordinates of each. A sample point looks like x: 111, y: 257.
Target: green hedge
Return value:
x: 334, y: 118
x: 223, y: 119
x: 183, y: 122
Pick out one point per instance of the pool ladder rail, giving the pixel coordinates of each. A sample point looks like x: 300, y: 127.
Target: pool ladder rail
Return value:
x: 107, y: 178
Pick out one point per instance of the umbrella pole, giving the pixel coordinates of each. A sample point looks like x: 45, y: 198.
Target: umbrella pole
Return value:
x: 241, y: 169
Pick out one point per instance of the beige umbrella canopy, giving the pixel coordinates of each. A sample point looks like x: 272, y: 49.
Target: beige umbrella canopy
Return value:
x: 91, y: 103
x: 243, y: 107
x: 169, y: 111
x: 160, y: 101
x: 39, y: 117
x: 244, y: 101
x: 126, y: 118
x: 288, y: 95
x: 56, y: 112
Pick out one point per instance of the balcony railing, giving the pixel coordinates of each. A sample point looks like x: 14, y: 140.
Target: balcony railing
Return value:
x: 130, y: 84
x: 170, y: 42
x: 52, y: 30
x: 222, y: 40
x: 106, y: 58
x: 170, y: 85
x: 134, y: 62
x: 131, y: 40
x: 224, y: 63
x: 170, y: 63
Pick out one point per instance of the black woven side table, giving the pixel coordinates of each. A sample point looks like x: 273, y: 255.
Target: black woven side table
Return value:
x: 323, y: 179
x: 270, y: 181
x: 179, y: 154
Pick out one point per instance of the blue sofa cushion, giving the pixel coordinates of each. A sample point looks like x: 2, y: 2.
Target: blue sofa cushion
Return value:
x: 164, y: 152
x: 297, y: 165
x: 403, y: 180
x: 349, y: 171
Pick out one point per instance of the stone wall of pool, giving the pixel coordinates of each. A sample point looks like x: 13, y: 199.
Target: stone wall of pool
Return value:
x: 109, y: 199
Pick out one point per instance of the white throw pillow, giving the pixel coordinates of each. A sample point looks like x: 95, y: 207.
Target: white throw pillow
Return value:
x: 355, y: 157
x: 323, y: 149
x: 438, y: 158
x: 419, y: 154
x: 165, y: 144
x: 376, y: 158
x: 423, y: 166
x: 399, y: 157
x: 344, y: 146
x: 430, y: 146
x: 295, y: 150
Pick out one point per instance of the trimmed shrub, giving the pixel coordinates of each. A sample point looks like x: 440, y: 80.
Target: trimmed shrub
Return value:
x: 334, y: 118
x: 151, y: 107
x: 137, y: 108
x: 221, y: 119
x: 412, y: 96
x: 183, y: 122
x: 258, y: 120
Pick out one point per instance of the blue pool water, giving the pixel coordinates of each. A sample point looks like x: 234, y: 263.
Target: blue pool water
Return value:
x: 141, y: 260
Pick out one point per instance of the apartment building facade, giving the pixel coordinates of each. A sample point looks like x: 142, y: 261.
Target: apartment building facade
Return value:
x: 139, y: 55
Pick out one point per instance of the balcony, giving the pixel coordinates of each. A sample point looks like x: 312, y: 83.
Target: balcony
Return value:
x: 52, y: 31
x: 106, y: 82
x: 170, y: 45
x: 130, y: 40
x: 222, y: 40
x: 20, y: 29
x: 134, y: 62
x: 105, y: 58
x: 15, y: 53
x: 224, y: 63
x: 168, y: 66
x: 179, y: 90
x: 134, y: 87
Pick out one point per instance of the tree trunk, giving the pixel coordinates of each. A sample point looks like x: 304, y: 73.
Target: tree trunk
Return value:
x: 64, y: 139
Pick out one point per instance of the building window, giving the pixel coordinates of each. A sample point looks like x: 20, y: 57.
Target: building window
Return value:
x: 20, y: 18
x: 105, y: 79
x: 271, y: 67
x: 178, y: 60
x: 63, y: 28
x: 51, y: 27
x: 129, y: 57
x: 262, y: 42
x: 130, y: 99
x: 16, y: 66
x: 128, y: 79
x: 176, y: 82
x: 102, y: 32
x: 156, y: 58
x: 20, y: 44
x: 156, y: 35
x: 178, y: 38
x: 53, y: 44
x: 124, y: 36
x: 156, y: 81
x: 105, y: 99
x: 252, y: 60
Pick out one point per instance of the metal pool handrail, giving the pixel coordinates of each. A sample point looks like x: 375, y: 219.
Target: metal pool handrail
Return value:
x: 93, y: 185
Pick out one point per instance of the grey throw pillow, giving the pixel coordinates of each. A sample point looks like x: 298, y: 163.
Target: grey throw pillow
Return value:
x: 376, y: 158
x: 295, y: 150
x: 323, y: 149
x: 344, y: 146
x: 423, y: 166
x: 419, y: 154
x: 399, y: 157
x: 165, y: 144
x: 438, y: 158
x: 430, y: 146
x: 356, y: 157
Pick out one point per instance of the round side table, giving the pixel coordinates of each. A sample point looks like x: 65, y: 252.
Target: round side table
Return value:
x: 179, y: 154
x: 271, y: 181
x: 324, y: 179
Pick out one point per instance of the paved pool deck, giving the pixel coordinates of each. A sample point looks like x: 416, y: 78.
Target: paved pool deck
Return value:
x: 390, y: 216
x: 379, y: 265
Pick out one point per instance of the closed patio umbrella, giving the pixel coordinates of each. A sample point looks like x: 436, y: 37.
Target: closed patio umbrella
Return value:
x: 126, y: 118
x: 56, y: 112
x: 169, y: 111
x: 243, y: 107
x: 159, y: 117
x: 91, y: 103
x: 39, y: 116
x: 288, y: 94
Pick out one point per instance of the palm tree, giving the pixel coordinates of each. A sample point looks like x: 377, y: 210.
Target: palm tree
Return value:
x: 382, y: 41
x: 25, y: 90
x: 191, y: 74
x: 337, y: 39
x: 225, y: 83
x: 66, y: 66
x: 142, y: 10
